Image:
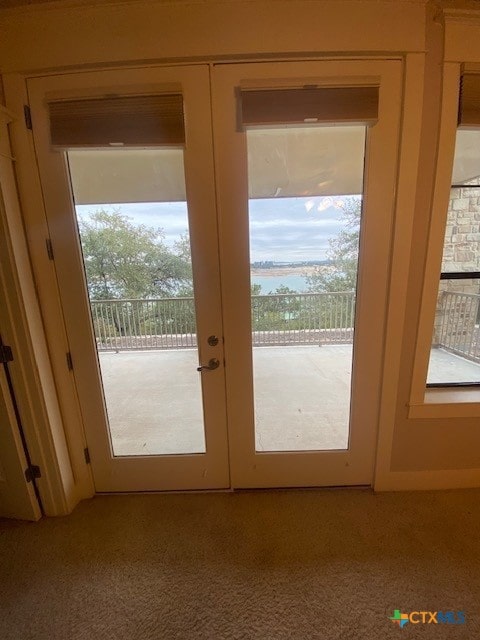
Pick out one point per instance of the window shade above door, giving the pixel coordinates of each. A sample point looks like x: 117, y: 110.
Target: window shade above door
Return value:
x: 140, y: 120
x: 271, y: 107
x: 290, y: 156
x: 469, y: 111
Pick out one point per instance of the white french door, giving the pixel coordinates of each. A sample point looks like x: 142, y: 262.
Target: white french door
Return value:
x: 295, y: 145
x: 126, y: 164
x: 289, y: 382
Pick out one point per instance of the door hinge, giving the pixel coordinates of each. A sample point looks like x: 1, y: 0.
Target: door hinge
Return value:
x: 6, y: 354
x: 86, y: 453
x: 28, y: 116
x: 48, y: 244
x: 69, y: 361
x: 32, y: 472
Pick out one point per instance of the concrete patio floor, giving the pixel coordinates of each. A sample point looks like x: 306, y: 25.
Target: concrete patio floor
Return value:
x: 302, y: 397
x: 447, y: 367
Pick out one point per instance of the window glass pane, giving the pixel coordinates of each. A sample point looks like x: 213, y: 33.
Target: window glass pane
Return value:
x: 462, y: 238
x: 455, y: 354
x: 466, y: 165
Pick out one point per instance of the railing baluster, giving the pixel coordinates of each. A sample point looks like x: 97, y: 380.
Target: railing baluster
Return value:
x: 183, y: 334
x: 111, y: 328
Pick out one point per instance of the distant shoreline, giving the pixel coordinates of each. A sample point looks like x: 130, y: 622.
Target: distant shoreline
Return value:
x: 284, y: 271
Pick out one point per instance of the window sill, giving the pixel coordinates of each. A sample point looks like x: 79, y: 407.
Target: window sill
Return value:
x: 447, y: 402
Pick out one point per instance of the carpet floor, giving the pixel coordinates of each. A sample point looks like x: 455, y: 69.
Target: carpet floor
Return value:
x: 270, y: 565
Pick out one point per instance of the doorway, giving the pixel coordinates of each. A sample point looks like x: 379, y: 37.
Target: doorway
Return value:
x: 191, y: 373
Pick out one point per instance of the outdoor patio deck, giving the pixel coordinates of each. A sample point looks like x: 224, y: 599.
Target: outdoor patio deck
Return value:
x: 154, y: 400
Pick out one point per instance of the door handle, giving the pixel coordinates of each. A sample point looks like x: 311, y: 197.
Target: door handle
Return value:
x: 213, y: 363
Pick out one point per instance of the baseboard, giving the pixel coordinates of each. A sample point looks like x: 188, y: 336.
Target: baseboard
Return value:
x: 426, y: 480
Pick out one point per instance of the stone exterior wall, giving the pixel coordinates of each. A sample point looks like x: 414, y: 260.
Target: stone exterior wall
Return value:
x: 457, y: 315
x: 462, y: 235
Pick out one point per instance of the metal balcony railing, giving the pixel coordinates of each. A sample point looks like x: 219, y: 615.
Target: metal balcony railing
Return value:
x: 284, y: 319
x: 166, y: 323
x: 457, y: 324
x: 169, y: 323
x: 304, y: 318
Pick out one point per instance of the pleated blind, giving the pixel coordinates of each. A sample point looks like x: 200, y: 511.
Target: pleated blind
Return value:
x: 151, y: 120
x: 270, y: 107
x: 469, y: 111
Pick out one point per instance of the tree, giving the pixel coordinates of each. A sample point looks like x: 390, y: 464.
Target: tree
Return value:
x: 283, y: 289
x: 124, y: 260
x: 341, y: 275
x: 183, y: 251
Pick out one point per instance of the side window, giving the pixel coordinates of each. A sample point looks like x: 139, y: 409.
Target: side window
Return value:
x: 455, y: 352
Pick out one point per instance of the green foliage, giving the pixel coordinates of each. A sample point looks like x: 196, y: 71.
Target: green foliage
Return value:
x: 124, y: 260
x: 341, y: 275
x: 283, y: 289
x: 131, y: 263
x: 297, y: 312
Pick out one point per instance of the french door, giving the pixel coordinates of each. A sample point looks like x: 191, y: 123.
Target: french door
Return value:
x: 127, y: 170
x: 299, y: 148
x: 165, y: 188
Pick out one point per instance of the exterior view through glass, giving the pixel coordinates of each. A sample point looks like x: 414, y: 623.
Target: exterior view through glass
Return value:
x: 455, y: 353
x: 133, y: 224
x: 305, y: 204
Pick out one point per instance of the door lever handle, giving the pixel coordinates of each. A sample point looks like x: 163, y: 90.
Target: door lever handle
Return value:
x: 213, y: 363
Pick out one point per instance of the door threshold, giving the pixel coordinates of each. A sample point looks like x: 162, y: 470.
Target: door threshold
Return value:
x: 359, y: 487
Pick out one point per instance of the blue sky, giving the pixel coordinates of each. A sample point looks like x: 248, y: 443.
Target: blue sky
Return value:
x: 281, y: 229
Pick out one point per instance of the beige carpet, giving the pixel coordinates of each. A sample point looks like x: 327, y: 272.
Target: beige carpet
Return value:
x: 272, y: 565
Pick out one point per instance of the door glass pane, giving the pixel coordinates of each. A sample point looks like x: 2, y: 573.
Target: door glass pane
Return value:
x: 133, y: 223
x: 305, y: 188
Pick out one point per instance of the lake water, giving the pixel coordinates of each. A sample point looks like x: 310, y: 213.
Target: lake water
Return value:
x: 270, y: 283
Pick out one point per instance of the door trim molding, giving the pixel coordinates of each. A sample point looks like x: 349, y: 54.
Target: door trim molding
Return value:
x: 59, y: 432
